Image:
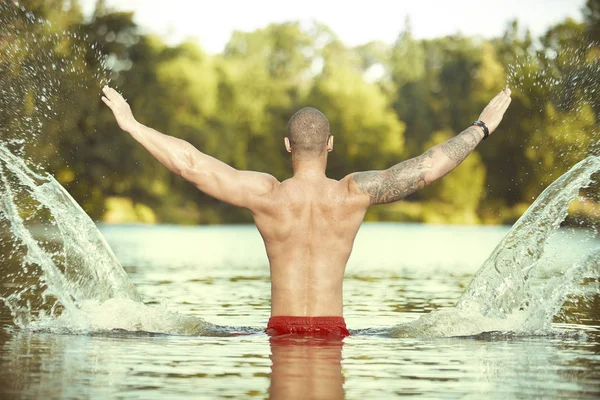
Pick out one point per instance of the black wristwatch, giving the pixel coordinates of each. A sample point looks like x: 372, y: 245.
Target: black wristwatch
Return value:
x: 482, y: 125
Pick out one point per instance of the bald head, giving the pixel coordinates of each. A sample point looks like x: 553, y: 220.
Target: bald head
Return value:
x: 308, y: 131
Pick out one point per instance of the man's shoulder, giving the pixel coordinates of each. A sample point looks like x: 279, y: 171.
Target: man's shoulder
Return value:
x: 265, y: 181
x: 354, y: 191
x: 349, y: 183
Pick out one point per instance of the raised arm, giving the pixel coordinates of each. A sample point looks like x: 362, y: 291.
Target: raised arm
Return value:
x: 405, y: 178
x: 241, y: 188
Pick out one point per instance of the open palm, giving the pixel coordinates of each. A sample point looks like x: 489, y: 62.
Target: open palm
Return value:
x: 492, y: 114
x: 120, y: 109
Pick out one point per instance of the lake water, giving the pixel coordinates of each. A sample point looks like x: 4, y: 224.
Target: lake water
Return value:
x: 397, y: 273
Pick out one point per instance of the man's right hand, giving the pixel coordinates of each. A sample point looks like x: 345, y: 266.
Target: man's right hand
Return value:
x: 120, y: 109
x: 492, y: 114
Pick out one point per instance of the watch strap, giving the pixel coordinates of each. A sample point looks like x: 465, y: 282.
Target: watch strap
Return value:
x: 482, y: 125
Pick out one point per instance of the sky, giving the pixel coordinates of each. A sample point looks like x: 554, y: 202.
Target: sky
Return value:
x: 355, y: 22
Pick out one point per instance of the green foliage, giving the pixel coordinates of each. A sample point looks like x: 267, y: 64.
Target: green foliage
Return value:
x: 385, y: 103
x: 463, y: 188
x: 360, y: 117
x: 592, y: 17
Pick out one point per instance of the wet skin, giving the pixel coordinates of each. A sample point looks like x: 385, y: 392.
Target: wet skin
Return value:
x: 308, y: 222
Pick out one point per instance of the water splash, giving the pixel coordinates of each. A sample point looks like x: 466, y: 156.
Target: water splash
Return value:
x: 58, y: 273
x: 504, y: 282
x: 42, y: 66
x: 520, y: 288
x: 66, y: 278
x: 557, y: 91
x: 78, y: 265
x: 62, y: 276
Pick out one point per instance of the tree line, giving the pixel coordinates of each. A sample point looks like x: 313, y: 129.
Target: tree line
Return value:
x: 385, y: 103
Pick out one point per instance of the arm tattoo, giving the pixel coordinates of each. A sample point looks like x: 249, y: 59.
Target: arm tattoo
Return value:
x: 397, y: 182
x: 409, y: 176
x: 460, y: 146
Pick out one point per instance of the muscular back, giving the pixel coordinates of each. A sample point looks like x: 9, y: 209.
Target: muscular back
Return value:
x: 308, y: 225
x: 308, y: 222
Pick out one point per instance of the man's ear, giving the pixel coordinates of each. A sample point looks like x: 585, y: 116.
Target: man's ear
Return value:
x: 330, y: 143
x: 288, y: 146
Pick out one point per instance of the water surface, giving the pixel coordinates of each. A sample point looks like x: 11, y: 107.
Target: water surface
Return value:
x: 397, y: 273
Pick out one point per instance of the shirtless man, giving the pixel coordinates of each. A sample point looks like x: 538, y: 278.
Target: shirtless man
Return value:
x: 308, y: 222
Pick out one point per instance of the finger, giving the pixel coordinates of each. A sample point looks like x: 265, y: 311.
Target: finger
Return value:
x: 108, y: 93
x: 503, y: 98
x: 504, y: 105
x: 107, y: 102
x: 116, y: 94
x: 112, y: 94
x: 497, y: 98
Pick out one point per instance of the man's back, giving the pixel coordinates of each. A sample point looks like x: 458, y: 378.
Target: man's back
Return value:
x: 308, y: 224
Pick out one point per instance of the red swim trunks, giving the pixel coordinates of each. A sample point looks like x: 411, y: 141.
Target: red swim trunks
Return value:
x: 316, y: 326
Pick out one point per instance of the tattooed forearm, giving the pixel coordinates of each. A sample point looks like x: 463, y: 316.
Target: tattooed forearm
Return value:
x: 409, y: 176
x: 397, y: 182
x: 460, y: 146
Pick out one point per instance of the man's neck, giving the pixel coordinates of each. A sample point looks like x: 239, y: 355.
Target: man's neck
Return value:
x: 309, y: 167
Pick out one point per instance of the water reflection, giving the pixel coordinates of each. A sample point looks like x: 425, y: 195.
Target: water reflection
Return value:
x: 306, y: 368
x: 39, y: 365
